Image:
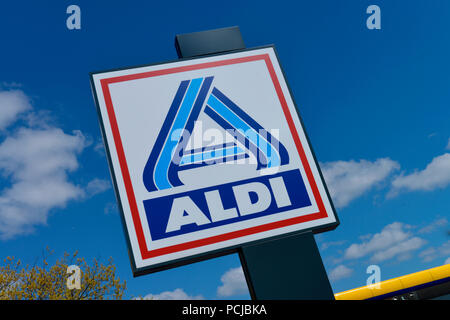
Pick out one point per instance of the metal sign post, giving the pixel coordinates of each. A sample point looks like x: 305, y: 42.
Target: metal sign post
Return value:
x: 286, y: 268
x: 289, y: 268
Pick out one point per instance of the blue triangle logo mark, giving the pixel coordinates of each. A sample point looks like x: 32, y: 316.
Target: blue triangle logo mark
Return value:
x: 169, y: 155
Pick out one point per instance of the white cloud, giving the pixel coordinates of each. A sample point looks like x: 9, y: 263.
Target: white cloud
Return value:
x: 97, y: 186
x: 434, y: 252
x: 429, y: 254
x: 340, y: 272
x: 447, y: 261
x: 348, y: 180
x: 111, y: 208
x: 448, y: 144
x: 400, y: 250
x: 433, y: 225
x: 40, y: 119
x: 393, y: 241
x: 435, y: 175
x: 327, y: 245
x: 37, y: 163
x: 177, y: 294
x: 12, y: 103
x: 233, y: 283
x: 99, y: 147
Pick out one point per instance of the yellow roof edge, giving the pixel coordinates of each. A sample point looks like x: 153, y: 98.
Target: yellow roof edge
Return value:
x: 367, y: 292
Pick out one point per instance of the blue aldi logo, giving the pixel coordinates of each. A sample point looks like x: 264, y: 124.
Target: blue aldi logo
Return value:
x: 208, y: 154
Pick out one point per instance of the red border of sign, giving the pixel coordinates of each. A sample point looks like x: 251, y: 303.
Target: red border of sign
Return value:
x: 145, y: 253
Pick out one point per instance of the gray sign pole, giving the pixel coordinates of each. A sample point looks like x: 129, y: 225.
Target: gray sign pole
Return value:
x: 288, y: 268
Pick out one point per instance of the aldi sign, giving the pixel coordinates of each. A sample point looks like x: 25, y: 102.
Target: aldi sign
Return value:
x: 207, y: 154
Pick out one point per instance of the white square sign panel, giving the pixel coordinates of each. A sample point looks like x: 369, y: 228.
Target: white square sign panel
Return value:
x: 208, y: 154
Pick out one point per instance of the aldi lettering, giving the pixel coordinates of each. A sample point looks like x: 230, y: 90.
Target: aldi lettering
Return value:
x: 225, y: 204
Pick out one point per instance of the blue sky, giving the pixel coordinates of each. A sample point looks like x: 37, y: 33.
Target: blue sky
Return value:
x: 375, y: 104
